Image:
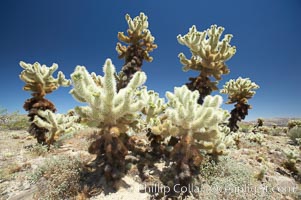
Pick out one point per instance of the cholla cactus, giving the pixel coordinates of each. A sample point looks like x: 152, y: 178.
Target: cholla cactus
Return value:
x: 295, y: 134
x: 113, y: 112
x: 107, y: 107
x: 259, y: 123
x: 292, y: 158
x: 239, y: 91
x: 154, y: 111
x: 197, y: 122
x: 39, y: 79
x: 140, y: 41
x: 292, y: 123
x: 236, y: 137
x: 56, y: 124
x: 155, y: 105
x: 257, y: 138
x: 209, y: 55
x: 198, y: 127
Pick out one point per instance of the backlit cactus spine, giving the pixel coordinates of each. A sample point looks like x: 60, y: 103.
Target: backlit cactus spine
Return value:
x: 239, y: 91
x: 40, y: 81
x: 209, y: 55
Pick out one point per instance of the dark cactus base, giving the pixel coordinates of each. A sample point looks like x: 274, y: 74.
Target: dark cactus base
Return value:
x: 133, y: 62
x: 111, y: 153
x: 33, y: 105
x: 187, y: 160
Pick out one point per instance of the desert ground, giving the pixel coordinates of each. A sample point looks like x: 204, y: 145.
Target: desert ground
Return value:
x: 251, y: 170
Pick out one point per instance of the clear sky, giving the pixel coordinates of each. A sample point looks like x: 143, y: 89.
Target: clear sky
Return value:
x: 69, y: 33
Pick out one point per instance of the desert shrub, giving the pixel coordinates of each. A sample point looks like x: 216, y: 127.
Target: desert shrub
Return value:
x: 13, y: 121
x: 38, y: 150
x: 227, y: 180
x: 246, y: 128
x: 58, y: 178
x: 226, y: 168
x: 263, y: 129
x: 295, y: 134
x: 276, y: 131
x: 18, y: 122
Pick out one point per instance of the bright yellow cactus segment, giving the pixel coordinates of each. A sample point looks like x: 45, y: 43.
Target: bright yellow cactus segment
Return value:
x: 209, y: 54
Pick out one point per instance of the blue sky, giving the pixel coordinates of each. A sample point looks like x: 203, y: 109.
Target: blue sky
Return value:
x: 69, y: 33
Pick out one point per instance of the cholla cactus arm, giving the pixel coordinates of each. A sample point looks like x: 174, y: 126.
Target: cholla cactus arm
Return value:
x: 155, y: 105
x: 55, y: 123
x: 209, y: 54
x: 39, y: 79
x: 239, y: 89
x: 106, y: 105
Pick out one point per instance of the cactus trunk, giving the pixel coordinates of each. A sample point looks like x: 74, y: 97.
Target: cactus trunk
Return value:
x: 187, y: 162
x: 33, y: 105
x: 133, y: 63
x: 111, y: 152
x: 237, y: 114
x: 202, y: 85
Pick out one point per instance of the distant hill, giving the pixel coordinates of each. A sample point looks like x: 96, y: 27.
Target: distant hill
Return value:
x: 279, y: 121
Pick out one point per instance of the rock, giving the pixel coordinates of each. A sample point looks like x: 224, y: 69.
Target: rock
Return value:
x: 284, y: 185
x: 24, y: 195
x: 26, y: 186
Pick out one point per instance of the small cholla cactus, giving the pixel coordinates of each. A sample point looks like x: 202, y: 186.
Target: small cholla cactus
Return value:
x: 113, y: 112
x: 39, y: 79
x: 56, y: 124
x: 197, y: 126
x: 209, y: 55
x: 237, y: 138
x: 239, y: 91
x: 295, y: 134
x: 257, y: 138
x: 292, y: 123
x: 259, y: 122
x: 140, y: 41
x: 153, y: 111
x: 291, y: 159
